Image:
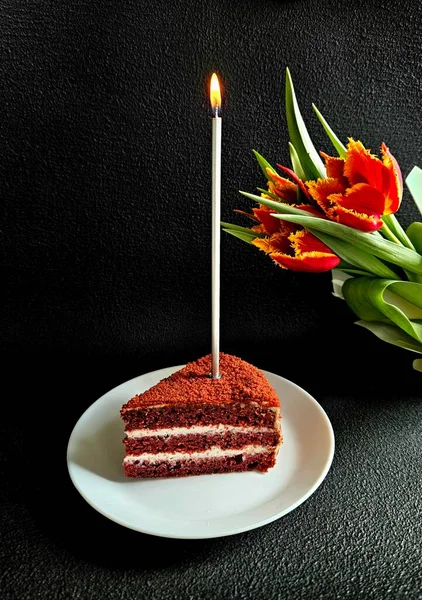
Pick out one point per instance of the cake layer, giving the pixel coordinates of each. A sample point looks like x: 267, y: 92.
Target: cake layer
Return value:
x: 189, y: 415
x: 237, y: 461
x: 190, y: 441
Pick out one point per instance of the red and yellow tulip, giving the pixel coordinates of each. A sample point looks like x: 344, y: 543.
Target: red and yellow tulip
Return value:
x: 360, y: 188
x: 288, y: 244
x: 299, y: 250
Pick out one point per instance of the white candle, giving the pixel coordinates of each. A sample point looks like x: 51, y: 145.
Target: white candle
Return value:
x: 215, y: 97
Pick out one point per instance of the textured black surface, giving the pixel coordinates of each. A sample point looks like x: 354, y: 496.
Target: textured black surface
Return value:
x: 105, y: 199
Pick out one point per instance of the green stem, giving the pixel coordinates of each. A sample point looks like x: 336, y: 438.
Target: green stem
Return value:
x: 393, y: 224
x: 389, y: 235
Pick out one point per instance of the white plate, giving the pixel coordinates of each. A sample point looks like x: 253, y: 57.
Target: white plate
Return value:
x: 206, y: 506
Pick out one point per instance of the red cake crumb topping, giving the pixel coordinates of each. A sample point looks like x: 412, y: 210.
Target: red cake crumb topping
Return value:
x: 239, y: 382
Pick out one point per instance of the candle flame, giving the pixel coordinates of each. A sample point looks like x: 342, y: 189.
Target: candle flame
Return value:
x: 215, y: 94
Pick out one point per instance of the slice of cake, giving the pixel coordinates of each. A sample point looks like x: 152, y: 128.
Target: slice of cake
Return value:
x: 191, y: 424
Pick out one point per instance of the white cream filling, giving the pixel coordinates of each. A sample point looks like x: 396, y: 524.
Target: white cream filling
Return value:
x: 214, y: 452
x: 195, y: 429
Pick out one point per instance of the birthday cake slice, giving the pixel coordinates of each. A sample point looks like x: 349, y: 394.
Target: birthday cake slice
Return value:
x: 191, y: 424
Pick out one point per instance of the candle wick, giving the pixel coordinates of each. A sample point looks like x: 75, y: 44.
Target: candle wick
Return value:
x: 216, y: 110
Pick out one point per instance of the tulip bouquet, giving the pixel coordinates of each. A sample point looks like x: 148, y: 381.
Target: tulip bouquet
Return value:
x: 337, y: 213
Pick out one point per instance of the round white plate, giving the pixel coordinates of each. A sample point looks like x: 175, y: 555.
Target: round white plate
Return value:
x: 205, y: 506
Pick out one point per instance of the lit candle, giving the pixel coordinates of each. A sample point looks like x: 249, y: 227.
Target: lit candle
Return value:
x: 215, y: 97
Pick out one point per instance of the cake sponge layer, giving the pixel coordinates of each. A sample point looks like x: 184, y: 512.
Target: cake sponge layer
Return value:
x: 188, y: 415
x: 238, y: 462
x: 176, y: 443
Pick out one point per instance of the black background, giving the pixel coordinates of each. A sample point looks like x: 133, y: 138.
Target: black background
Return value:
x: 105, y: 184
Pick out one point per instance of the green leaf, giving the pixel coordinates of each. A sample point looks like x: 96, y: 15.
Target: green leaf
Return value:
x: 356, y: 257
x: 392, y: 335
x: 409, y: 291
x: 297, y: 167
x: 245, y: 237
x: 264, y: 164
x: 384, y: 249
x: 309, y: 158
x: 267, y: 193
x: 414, y: 233
x: 280, y: 207
x: 414, y: 183
x: 345, y: 265
x: 341, y: 149
x: 417, y: 364
x: 352, y: 271
x: 338, y: 277
x: 245, y: 230
x: 394, y: 226
x: 389, y: 235
x: 367, y: 298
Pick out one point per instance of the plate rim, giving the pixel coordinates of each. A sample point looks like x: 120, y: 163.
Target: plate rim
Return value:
x: 164, y: 372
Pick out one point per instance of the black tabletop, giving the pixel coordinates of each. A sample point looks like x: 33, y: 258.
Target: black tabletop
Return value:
x: 105, y: 177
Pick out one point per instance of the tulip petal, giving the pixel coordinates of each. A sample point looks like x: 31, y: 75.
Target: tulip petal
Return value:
x: 305, y: 241
x: 311, y: 262
x: 310, y: 254
x: 321, y: 189
x: 335, y: 167
x: 395, y: 184
x: 276, y: 243
x: 362, y: 198
x: 363, y: 167
x: 360, y: 207
x: 299, y: 251
x: 351, y: 218
x: 296, y: 179
x: 280, y: 186
x: 269, y: 223
x: 312, y: 210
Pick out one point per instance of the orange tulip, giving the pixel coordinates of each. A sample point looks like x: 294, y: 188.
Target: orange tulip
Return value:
x: 289, y: 244
x: 360, y: 188
x: 298, y: 250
